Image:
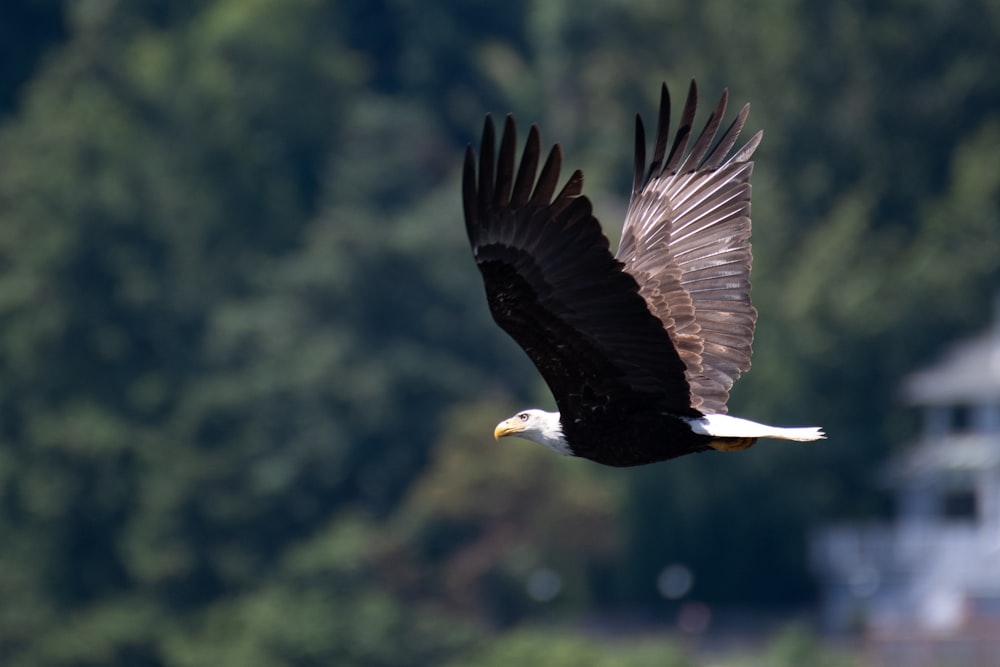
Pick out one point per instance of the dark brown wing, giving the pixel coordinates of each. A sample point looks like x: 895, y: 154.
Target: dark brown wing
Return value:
x: 686, y: 240
x: 553, y: 285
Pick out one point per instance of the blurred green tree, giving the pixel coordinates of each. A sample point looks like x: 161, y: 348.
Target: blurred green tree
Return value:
x: 29, y: 29
x: 152, y: 169
x: 561, y: 649
x: 504, y: 529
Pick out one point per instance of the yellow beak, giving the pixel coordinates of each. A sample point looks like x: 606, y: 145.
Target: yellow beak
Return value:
x: 505, y: 428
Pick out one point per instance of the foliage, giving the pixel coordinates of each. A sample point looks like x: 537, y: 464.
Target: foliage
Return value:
x: 247, y: 374
x: 530, y: 646
x: 503, y: 529
x: 323, y: 605
x: 795, y: 646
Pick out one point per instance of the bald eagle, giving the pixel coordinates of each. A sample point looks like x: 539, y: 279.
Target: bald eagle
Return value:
x: 639, y: 348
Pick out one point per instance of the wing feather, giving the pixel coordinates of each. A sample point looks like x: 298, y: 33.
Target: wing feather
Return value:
x: 686, y: 239
x: 554, y: 286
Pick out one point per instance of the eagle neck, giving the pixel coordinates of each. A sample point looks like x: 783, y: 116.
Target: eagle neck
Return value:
x: 550, y: 434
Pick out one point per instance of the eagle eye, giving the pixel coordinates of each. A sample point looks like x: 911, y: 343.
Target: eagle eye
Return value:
x: 523, y: 416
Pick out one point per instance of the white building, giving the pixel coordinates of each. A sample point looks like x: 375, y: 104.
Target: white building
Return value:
x: 925, y: 589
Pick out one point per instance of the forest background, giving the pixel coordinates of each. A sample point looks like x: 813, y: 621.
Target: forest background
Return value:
x: 247, y: 375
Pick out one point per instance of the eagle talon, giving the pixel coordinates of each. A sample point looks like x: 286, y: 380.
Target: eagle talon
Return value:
x: 732, y: 444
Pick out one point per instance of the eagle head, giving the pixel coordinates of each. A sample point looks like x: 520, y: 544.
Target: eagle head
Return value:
x: 537, y: 425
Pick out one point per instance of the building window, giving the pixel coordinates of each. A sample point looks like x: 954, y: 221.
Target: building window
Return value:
x: 959, y: 505
x: 962, y: 418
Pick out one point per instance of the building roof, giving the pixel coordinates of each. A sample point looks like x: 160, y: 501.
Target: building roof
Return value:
x: 968, y: 373
x: 964, y: 452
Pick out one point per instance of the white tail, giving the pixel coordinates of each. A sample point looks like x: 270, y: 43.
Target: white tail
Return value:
x: 724, y: 426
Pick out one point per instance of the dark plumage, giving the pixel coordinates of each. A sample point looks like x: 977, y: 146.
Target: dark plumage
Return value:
x: 640, y: 348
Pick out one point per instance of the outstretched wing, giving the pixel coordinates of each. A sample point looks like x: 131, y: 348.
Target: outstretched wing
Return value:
x: 686, y: 240
x: 553, y: 285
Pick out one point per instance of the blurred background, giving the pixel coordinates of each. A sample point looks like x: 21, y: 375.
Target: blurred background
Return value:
x: 248, y: 379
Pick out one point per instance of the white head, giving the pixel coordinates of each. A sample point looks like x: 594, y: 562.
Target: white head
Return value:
x: 538, y: 425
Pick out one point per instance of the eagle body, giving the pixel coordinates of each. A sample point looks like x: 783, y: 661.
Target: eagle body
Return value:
x: 639, y: 348
x: 635, y: 439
